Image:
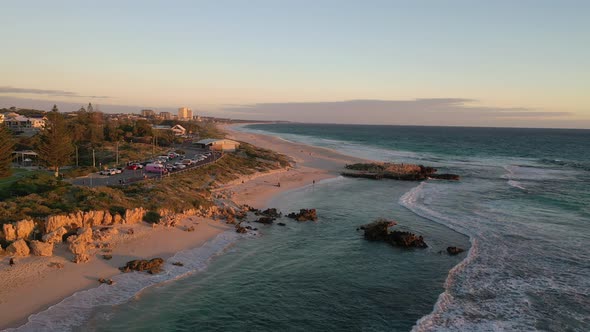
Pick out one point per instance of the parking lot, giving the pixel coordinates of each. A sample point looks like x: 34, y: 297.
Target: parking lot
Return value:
x: 128, y: 176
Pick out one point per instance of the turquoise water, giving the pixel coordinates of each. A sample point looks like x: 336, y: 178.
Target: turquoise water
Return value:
x: 522, y: 207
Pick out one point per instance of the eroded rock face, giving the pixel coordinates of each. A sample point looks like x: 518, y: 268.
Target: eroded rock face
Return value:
x: 9, y: 232
x: 271, y: 212
x: 24, y: 229
x: 18, y: 248
x: 55, y: 236
x: 134, y: 216
x: 78, y: 245
x: 152, y: 266
x: 379, y: 231
x: 304, y: 215
x: 241, y: 230
x: 39, y: 248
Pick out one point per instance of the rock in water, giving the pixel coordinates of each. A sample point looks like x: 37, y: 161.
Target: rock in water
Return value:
x: 454, y: 250
x: 265, y: 220
x: 304, y: 215
x: 41, y: 248
x: 241, y: 230
x: 379, y: 231
x: 272, y: 212
x: 152, y: 266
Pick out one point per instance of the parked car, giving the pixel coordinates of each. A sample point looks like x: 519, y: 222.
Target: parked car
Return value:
x: 109, y: 171
x: 179, y: 166
x: 187, y: 162
x: 172, y: 155
x: 118, y: 170
x: 133, y: 167
x: 155, y: 168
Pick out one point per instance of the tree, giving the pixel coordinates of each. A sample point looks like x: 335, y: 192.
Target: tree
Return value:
x: 6, y: 149
x: 55, y: 144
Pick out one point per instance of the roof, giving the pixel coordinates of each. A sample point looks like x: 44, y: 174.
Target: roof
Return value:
x: 178, y: 127
x: 213, y: 140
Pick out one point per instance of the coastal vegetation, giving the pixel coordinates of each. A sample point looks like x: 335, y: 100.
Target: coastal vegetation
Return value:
x: 6, y: 148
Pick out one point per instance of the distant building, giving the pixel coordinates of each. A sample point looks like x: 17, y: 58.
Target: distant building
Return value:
x: 185, y: 113
x: 20, y: 123
x: 1, y: 118
x: 166, y: 115
x: 218, y: 144
x: 148, y: 113
x: 178, y: 130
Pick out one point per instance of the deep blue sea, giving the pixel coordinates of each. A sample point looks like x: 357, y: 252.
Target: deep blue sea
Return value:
x: 522, y: 208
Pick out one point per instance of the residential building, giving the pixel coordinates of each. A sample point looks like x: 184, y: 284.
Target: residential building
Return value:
x: 20, y: 123
x: 185, y: 113
x: 165, y: 115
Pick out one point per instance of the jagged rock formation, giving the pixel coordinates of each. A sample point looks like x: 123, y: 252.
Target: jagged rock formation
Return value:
x: 407, y: 172
x: 19, y: 230
x: 271, y: 212
x: 379, y: 231
x: 18, y: 248
x: 304, y: 215
x: 152, y: 266
x: 78, y: 245
x: 39, y: 248
x: 92, y: 219
x: 55, y: 236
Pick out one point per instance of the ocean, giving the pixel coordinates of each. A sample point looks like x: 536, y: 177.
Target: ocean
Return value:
x: 521, y: 208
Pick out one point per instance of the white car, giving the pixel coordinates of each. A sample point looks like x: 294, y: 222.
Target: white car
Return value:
x: 109, y: 171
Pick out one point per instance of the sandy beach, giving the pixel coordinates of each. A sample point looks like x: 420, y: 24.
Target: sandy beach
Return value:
x: 33, y: 284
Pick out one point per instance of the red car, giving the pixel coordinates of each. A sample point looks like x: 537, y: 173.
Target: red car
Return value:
x: 132, y: 167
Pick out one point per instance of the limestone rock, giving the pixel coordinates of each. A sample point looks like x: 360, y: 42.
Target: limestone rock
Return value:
x: 134, y: 216
x: 454, y: 250
x: 55, y: 236
x: 39, y: 248
x: 18, y: 248
x: 304, y: 215
x: 85, y: 234
x: 379, y: 231
x: 9, y: 232
x: 152, y: 266
x: 24, y: 229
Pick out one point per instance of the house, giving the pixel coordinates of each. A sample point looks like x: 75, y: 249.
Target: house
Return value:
x: 178, y: 130
x: 22, y: 124
x: 218, y: 144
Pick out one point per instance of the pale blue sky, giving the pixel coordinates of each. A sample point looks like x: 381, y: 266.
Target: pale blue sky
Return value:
x: 533, y: 55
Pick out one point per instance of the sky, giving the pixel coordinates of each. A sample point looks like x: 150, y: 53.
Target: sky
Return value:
x: 478, y: 63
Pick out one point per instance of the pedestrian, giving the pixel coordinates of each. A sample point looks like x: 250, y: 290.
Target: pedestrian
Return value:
x: 11, y: 262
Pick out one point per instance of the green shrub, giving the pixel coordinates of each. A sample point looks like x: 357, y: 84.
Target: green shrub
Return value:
x: 117, y: 209
x: 152, y: 217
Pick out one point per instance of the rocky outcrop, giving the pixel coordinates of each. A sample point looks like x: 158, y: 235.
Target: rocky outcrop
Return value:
x: 379, y: 231
x: 79, y: 245
x: 271, y: 212
x: 39, y: 248
x: 9, y: 232
x: 304, y: 215
x: 55, y: 236
x: 241, y: 230
x: 406, y: 172
x: 152, y: 266
x: 18, y: 248
x: 265, y: 220
x: 134, y: 216
x: 93, y: 219
x: 19, y: 230
x: 454, y: 250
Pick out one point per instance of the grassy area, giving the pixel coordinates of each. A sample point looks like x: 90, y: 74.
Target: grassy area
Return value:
x: 17, y: 173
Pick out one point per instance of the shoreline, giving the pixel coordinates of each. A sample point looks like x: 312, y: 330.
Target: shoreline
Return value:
x: 32, y: 286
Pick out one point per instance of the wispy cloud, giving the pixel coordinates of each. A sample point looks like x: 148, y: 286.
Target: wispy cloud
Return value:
x: 53, y: 93
x: 427, y: 111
